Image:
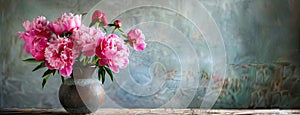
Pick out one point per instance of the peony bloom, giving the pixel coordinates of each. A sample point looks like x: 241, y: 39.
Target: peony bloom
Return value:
x: 27, y: 41
x: 112, y: 52
x: 66, y: 23
x: 98, y: 15
x: 35, y: 37
x: 38, y: 48
x: 38, y: 27
x: 136, y: 39
x: 60, y: 55
x: 86, y: 39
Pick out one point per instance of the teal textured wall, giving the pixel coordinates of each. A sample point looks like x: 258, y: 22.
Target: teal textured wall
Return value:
x: 261, y: 40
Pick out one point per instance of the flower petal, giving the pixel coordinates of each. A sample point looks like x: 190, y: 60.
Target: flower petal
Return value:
x: 66, y: 71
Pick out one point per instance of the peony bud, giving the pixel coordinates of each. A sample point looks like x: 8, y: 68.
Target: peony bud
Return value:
x: 99, y: 16
x: 118, y: 24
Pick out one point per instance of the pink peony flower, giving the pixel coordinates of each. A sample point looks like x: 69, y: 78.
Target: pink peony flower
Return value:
x: 112, y: 52
x: 35, y: 37
x: 27, y: 41
x: 60, y: 55
x: 66, y: 23
x: 38, y: 48
x: 136, y: 39
x: 38, y: 27
x: 98, y: 15
x: 86, y: 39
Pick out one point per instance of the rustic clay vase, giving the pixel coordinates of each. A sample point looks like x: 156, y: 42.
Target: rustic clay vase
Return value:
x: 81, y: 93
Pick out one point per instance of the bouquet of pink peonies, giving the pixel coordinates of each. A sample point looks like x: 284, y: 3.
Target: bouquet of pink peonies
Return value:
x: 56, y: 45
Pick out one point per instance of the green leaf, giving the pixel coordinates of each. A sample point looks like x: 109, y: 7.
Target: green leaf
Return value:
x: 109, y: 73
x: 39, y: 66
x: 62, y: 79
x: 48, y: 72
x: 45, y: 80
x: 31, y: 60
x: 93, y: 23
x: 126, y: 41
x: 83, y: 14
x: 68, y: 34
x: 99, y: 73
x: 95, y: 60
x: 103, y: 75
x: 54, y: 73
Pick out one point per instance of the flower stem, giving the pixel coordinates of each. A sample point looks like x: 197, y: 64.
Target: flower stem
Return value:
x: 97, y: 24
x: 104, y: 29
x: 113, y: 30
x: 125, y: 36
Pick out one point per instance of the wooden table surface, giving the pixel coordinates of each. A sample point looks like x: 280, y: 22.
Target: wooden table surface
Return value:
x: 159, y: 111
